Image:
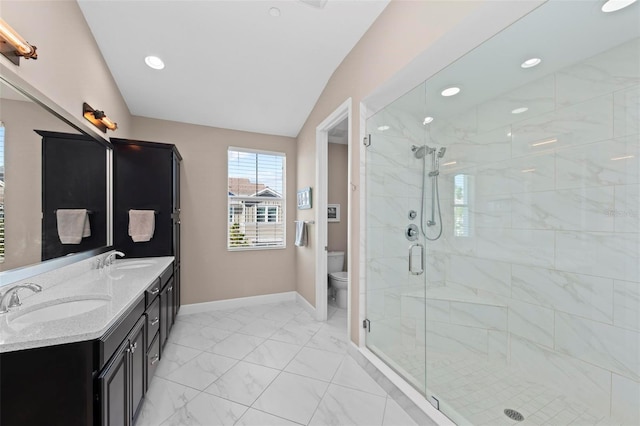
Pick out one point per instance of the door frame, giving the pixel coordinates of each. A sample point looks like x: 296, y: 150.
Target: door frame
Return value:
x: 321, y: 199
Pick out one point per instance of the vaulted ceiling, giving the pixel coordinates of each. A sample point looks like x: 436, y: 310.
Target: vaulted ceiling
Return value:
x: 229, y: 64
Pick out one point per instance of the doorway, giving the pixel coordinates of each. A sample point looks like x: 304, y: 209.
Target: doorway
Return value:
x: 336, y: 127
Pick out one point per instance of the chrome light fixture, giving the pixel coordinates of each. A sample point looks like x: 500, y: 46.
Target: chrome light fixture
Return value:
x: 98, y: 118
x: 13, y: 46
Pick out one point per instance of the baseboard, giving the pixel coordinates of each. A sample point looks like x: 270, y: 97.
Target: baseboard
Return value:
x: 402, y: 392
x: 240, y: 302
x: 305, y: 304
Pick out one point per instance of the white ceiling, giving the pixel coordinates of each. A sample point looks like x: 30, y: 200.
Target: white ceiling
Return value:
x: 229, y: 64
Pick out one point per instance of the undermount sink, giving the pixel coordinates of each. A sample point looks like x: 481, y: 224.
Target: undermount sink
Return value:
x: 56, y: 312
x: 134, y: 264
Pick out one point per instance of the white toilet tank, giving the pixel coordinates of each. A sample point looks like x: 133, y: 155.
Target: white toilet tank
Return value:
x: 335, y: 261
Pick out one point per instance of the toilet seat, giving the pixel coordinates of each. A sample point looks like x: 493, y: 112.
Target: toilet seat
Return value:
x: 340, y: 276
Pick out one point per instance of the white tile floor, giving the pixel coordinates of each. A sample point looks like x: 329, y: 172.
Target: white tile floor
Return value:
x: 264, y: 365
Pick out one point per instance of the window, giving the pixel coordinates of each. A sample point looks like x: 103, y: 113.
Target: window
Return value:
x: 461, y: 217
x: 267, y: 214
x: 256, y: 199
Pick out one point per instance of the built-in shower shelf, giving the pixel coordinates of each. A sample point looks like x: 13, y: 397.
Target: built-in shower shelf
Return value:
x: 453, y: 295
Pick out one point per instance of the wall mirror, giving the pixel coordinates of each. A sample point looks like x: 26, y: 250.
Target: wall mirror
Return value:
x: 47, y: 163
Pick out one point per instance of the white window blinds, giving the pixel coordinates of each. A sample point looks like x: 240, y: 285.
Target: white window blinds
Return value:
x: 256, y: 199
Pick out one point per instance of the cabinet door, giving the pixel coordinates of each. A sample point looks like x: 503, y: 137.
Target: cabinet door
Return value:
x: 138, y: 362
x: 114, y: 389
x: 176, y: 291
x: 172, y: 304
x: 164, y: 315
x: 176, y: 240
x: 176, y: 182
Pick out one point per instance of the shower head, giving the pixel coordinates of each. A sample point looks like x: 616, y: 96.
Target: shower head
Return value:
x: 441, y: 152
x: 421, y: 151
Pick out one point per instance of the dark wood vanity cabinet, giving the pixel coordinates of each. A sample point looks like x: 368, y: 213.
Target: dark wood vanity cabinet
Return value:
x: 122, y: 384
x: 48, y: 386
x: 147, y: 177
x: 99, y: 382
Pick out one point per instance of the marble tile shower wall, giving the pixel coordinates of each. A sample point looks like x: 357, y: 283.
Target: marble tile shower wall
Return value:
x: 550, y: 273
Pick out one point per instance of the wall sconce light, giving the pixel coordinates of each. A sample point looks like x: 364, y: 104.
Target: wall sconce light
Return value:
x: 12, y: 46
x: 98, y: 118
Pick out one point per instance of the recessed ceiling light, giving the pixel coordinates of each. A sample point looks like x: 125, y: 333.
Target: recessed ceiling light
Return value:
x: 520, y: 110
x: 615, y: 5
x: 274, y: 11
x: 154, y: 62
x: 509, y: 134
x: 450, y: 91
x: 383, y: 128
x: 427, y: 120
x: 530, y: 63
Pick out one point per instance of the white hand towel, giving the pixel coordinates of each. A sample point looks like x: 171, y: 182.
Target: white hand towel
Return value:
x: 73, y: 225
x: 301, y: 233
x: 142, y: 224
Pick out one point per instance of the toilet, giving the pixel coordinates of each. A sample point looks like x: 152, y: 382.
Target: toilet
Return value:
x: 338, y: 279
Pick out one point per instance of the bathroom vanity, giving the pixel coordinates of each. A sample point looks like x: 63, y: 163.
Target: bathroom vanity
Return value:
x: 82, y: 352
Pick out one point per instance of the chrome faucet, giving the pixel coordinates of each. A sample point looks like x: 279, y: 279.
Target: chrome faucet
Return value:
x: 12, y: 296
x: 112, y: 257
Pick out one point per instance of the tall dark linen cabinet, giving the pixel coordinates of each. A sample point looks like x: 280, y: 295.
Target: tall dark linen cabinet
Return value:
x: 146, y: 176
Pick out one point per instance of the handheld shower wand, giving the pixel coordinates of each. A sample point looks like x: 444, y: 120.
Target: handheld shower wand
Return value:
x: 422, y: 152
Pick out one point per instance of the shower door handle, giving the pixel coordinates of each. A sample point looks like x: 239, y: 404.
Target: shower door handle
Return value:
x: 420, y: 247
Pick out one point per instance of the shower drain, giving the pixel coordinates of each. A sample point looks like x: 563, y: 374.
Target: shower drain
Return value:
x: 513, y: 415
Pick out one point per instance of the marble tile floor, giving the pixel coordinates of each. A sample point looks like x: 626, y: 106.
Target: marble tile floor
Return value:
x: 264, y: 365
x: 480, y: 390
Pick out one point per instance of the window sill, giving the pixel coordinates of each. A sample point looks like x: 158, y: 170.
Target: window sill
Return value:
x: 241, y: 249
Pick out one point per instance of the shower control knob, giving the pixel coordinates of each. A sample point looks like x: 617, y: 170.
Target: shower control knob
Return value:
x: 412, y: 214
x: 411, y: 232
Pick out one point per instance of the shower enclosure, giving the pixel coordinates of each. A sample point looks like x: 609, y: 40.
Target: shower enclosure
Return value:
x: 527, y: 307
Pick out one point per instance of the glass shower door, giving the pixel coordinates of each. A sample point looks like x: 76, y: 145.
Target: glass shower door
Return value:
x: 394, y: 293
x: 528, y: 305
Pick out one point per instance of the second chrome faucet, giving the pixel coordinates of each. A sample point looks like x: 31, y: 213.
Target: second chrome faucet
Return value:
x: 108, y: 260
x: 10, y: 299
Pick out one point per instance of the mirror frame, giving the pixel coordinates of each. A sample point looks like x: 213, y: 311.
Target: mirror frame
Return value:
x: 10, y: 78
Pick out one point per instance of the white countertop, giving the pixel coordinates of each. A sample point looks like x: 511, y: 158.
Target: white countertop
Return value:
x: 118, y: 288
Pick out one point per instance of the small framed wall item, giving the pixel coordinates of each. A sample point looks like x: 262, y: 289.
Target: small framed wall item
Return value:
x: 333, y: 213
x: 304, y: 198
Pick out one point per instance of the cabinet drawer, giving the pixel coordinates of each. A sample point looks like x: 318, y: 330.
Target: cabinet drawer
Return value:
x: 153, y: 320
x: 152, y: 292
x: 153, y: 358
x: 112, y: 339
